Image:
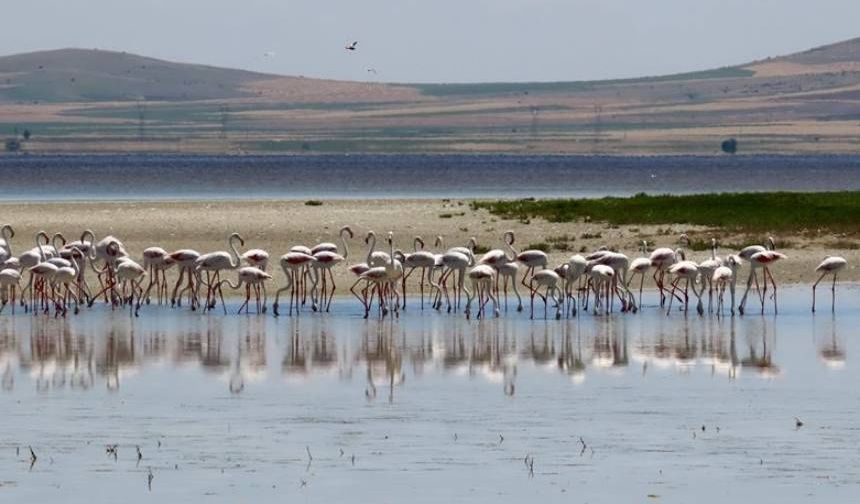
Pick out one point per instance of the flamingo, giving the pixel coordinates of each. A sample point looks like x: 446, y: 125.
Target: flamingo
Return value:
x: 383, y: 280
x: 359, y: 269
x: 250, y: 276
x: 33, y: 259
x: 420, y: 258
x: 831, y: 265
x: 10, y: 281
x: 64, y: 278
x: 620, y: 264
x: 325, y: 260
x: 6, y: 235
x: 186, y: 260
x: 292, y: 263
x: 131, y: 273
x: 689, y: 272
x: 86, y: 247
x: 157, y: 261
x: 482, y: 277
x: 549, y: 280
x: 760, y: 259
x: 662, y: 259
x: 213, y: 264
x: 506, y: 267
x: 531, y: 259
x: 601, y: 276
x: 706, y: 270
x: 640, y: 266
x: 102, y: 250
x: 455, y: 261
x: 726, y: 275
x: 576, y: 266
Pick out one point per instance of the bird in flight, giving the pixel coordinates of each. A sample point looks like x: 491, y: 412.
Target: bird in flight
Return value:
x: 371, y: 70
x: 352, y: 47
x: 269, y: 54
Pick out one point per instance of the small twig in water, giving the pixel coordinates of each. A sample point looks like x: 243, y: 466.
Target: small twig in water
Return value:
x: 798, y: 423
x: 584, y: 446
x: 455, y: 436
x: 341, y: 452
x: 33, y: 457
x: 303, y: 484
x: 353, y: 459
x: 308, y: 449
x: 149, y: 478
x: 139, y: 455
x: 532, y: 468
x: 501, y: 439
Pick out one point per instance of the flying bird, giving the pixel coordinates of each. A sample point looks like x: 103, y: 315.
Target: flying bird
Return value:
x: 269, y: 54
x: 371, y: 70
x: 352, y: 47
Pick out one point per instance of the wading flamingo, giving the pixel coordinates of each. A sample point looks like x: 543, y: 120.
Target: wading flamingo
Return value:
x: 831, y: 265
x: 640, y: 266
x: 549, y: 280
x: 726, y: 276
x: 422, y: 259
x: 254, y: 278
x: 761, y: 259
x: 325, y: 260
x: 482, y: 278
x: 213, y: 264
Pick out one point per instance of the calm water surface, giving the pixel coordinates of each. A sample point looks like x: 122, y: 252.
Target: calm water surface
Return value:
x: 411, y: 176
x: 226, y: 408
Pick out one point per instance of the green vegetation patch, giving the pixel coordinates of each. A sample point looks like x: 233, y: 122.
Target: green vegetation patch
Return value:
x: 745, y: 212
x: 491, y: 88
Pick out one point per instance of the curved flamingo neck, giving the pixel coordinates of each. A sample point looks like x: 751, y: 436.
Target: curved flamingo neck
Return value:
x: 370, y: 246
x: 343, y: 232
x: 7, y: 233
x: 234, y: 258
x: 41, y: 234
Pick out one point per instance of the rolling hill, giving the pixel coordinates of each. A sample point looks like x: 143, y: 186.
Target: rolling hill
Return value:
x: 76, y: 100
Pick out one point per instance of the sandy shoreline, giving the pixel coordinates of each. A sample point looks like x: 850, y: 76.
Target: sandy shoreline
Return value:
x: 275, y: 226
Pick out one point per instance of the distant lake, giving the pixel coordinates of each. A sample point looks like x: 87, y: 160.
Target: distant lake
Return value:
x: 168, y: 177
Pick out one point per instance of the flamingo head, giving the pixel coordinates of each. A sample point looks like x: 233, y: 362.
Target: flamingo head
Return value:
x: 347, y: 230
x: 368, y: 236
x: 509, y: 237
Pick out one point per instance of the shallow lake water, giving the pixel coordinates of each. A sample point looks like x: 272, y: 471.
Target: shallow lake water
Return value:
x: 368, y: 176
x: 432, y: 408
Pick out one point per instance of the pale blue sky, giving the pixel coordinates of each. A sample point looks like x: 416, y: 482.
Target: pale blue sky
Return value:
x: 438, y: 40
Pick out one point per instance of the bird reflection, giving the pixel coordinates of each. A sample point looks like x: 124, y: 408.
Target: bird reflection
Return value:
x: 760, y: 351
x: 830, y: 349
x: 379, y: 356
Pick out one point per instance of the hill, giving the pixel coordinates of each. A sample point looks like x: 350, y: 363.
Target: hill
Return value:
x: 95, y: 101
x: 83, y: 75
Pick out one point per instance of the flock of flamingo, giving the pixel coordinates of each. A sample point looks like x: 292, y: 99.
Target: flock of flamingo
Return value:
x: 56, y: 276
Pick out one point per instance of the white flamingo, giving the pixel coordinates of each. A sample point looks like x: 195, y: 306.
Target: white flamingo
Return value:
x: 688, y: 271
x: 294, y: 265
x: 706, y: 271
x: 213, y: 264
x: 419, y: 258
x: 482, y: 278
x: 251, y: 277
x: 760, y: 259
x: 325, y: 260
x: 640, y: 266
x: 507, y: 268
x: 831, y: 265
x: 549, y: 280
x: 726, y: 276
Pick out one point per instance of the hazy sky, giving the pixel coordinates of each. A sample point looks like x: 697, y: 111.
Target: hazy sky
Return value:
x: 437, y: 40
